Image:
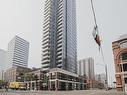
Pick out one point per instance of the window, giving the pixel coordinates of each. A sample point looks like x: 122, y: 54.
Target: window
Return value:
x: 123, y: 45
x: 124, y: 56
x: 125, y: 79
x: 124, y: 67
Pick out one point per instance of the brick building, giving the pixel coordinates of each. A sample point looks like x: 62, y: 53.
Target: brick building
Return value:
x: 120, y: 59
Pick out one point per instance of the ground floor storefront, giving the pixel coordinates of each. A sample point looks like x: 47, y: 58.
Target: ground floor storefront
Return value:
x: 39, y: 85
x: 59, y: 85
x: 64, y: 80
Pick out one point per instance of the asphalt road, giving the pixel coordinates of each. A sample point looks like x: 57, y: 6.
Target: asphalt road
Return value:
x: 84, y: 92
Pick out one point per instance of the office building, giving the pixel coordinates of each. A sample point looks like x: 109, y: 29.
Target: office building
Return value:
x: 120, y: 59
x: 59, y: 49
x: 3, y: 63
x: 18, y: 50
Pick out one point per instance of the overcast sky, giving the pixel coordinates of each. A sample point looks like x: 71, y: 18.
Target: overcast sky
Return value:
x: 25, y: 19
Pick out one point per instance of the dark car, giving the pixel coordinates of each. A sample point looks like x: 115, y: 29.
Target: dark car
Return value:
x: 109, y: 88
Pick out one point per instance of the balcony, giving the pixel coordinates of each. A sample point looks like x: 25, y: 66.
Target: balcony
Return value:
x: 59, y: 61
x: 45, y: 69
x: 45, y: 26
x: 45, y: 65
x: 59, y: 45
x: 59, y: 41
x: 59, y: 38
x: 59, y: 49
x: 46, y: 41
x: 59, y: 53
x: 45, y: 49
x: 59, y: 57
x: 60, y: 30
x: 46, y: 56
x: 59, y: 33
x: 45, y: 61
x: 46, y: 37
x: 46, y: 20
x: 45, y: 45
x: 45, y: 53
x: 46, y: 32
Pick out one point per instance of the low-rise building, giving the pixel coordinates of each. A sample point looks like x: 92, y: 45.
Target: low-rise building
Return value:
x: 60, y: 79
x: 34, y: 79
x: 101, y: 78
x: 15, y: 74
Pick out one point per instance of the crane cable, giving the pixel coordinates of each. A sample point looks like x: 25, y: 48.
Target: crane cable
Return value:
x: 95, y: 21
x: 93, y: 13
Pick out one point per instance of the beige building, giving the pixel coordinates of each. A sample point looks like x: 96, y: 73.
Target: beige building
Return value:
x: 15, y: 74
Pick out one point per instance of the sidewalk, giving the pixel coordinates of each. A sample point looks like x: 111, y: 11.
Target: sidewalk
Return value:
x: 2, y: 90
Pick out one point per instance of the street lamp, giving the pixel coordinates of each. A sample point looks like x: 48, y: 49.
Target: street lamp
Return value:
x: 106, y: 81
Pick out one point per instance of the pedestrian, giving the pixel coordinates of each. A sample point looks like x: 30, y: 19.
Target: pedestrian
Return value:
x: 6, y: 88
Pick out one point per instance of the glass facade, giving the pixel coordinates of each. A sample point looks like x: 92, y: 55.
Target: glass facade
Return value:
x: 60, y: 30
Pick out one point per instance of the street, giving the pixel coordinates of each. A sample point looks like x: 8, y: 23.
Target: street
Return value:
x: 83, y: 92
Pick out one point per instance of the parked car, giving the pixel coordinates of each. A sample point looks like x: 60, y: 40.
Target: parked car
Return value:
x: 109, y: 88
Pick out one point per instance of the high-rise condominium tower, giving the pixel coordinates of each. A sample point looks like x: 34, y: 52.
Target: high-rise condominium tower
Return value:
x: 59, y: 37
x: 18, y: 50
x: 86, y: 67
